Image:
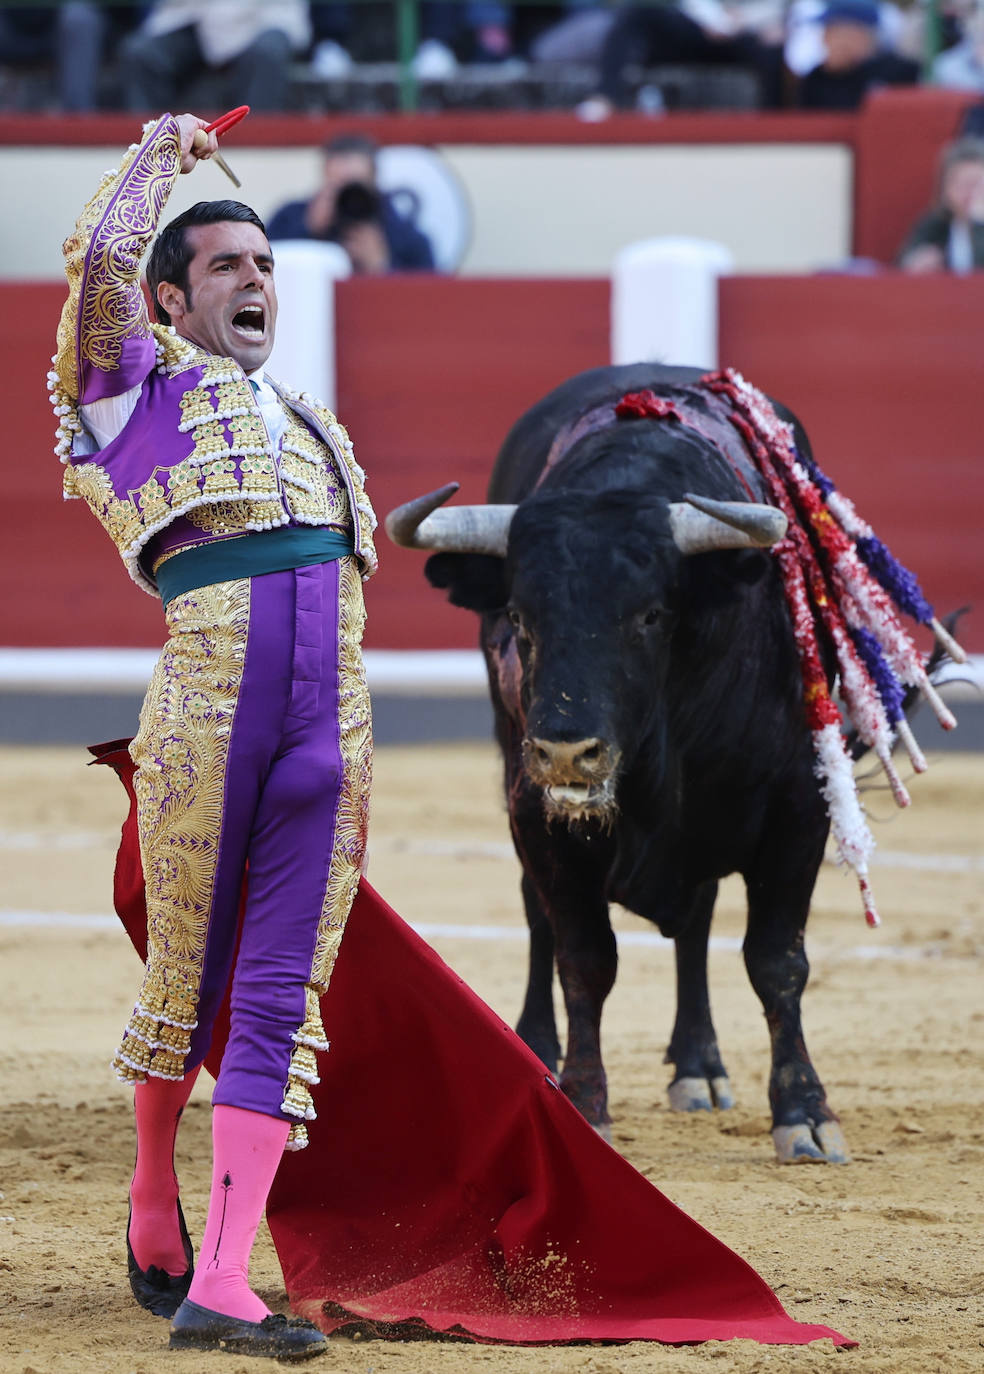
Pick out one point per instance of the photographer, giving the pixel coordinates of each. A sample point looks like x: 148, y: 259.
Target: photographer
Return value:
x: 349, y: 209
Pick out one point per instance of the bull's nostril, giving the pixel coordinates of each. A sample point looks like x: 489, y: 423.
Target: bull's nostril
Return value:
x: 591, y: 754
x: 542, y: 755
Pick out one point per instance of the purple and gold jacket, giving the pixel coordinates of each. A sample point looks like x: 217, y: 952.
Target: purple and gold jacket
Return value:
x: 195, y: 461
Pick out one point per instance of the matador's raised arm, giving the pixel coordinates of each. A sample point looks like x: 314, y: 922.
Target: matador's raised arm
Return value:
x: 105, y: 344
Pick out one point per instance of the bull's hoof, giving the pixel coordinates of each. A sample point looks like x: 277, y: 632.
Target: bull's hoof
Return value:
x: 700, y: 1095
x: 803, y: 1144
x: 724, y: 1098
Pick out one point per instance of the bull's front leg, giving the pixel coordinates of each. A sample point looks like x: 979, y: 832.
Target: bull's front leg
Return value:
x: 537, y: 1025
x: 701, y: 1080
x: 804, y: 1126
x: 563, y: 884
x: 586, y: 963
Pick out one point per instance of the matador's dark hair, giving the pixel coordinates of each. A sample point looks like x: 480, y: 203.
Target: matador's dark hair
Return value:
x: 171, y: 254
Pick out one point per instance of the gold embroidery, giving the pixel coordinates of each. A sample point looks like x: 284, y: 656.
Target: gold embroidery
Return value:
x: 220, y: 479
x: 248, y: 434
x: 237, y: 517
x: 120, y: 519
x: 259, y: 477
x: 181, y: 752
x: 182, y: 484
x: 351, y: 824
x: 175, y: 354
x: 196, y: 405
x: 152, y: 500
x: 235, y: 396
x: 322, y: 420
x: 105, y: 304
x: 313, y: 488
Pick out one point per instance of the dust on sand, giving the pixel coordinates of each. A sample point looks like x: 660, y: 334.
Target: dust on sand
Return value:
x: 887, y: 1249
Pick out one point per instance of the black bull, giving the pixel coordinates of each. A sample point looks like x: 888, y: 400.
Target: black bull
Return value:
x: 648, y: 704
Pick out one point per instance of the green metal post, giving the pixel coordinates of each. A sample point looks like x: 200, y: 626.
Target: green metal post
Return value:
x: 407, y: 39
x: 934, y: 36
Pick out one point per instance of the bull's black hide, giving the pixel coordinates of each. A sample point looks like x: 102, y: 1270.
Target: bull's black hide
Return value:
x: 649, y: 710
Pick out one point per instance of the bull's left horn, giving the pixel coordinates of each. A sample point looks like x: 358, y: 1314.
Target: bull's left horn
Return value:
x: 419, y: 524
x: 699, y: 524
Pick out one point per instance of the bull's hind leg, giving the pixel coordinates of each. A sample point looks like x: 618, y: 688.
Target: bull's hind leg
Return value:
x: 804, y: 1127
x: 701, y: 1080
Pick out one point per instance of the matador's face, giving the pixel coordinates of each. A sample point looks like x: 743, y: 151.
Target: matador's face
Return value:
x: 230, y: 306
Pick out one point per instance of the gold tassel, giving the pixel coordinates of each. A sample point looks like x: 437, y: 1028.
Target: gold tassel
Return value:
x: 297, y: 1137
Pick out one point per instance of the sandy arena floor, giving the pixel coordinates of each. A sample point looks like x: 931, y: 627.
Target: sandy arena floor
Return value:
x: 887, y: 1249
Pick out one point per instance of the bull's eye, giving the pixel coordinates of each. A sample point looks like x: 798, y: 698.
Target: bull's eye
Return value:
x: 516, y: 620
x: 645, y: 622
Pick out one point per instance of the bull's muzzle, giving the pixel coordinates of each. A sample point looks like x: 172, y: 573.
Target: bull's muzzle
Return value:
x: 577, y: 776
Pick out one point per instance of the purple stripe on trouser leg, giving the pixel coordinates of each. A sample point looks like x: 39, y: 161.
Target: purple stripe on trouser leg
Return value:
x: 290, y: 858
x: 257, y: 734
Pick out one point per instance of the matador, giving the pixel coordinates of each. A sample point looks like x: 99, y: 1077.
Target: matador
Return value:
x: 240, y: 504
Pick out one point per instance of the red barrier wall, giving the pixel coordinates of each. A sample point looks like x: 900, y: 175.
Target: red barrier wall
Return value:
x: 885, y: 373
x: 431, y: 374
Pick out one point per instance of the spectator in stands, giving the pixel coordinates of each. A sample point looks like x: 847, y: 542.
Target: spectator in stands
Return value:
x: 961, y: 67
x: 249, y: 41
x: 349, y: 209
x: 74, y: 38
x: 475, y: 30
x: 695, y: 32
x: 855, y: 59
x: 27, y: 35
x: 331, y: 24
x: 950, y: 236
x: 575, y: 36
x: 480, y: 30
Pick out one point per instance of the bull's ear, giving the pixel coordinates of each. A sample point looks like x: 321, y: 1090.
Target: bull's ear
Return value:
x: 476, y: 581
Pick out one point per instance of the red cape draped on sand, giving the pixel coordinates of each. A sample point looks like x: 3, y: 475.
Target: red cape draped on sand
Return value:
x: 450, y: 1187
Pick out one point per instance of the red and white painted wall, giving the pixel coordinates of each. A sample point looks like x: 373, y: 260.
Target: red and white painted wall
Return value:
x: 430, y: 372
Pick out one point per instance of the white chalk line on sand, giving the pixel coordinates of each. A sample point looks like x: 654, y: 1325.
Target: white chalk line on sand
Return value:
x: 27, y: 840
x: 398, y: 672
x: 433, y: 930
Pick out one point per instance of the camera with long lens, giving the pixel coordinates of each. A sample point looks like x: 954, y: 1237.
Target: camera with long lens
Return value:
x: 356, y: 203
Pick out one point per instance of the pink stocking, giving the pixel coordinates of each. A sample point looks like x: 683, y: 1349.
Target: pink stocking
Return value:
x: 246, y: 1150
x: 155, y: 1236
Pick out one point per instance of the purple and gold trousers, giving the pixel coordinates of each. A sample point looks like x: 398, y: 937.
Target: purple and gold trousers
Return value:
x: 254, y: 751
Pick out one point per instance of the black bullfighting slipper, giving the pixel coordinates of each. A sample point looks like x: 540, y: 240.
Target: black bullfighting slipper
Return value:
x: 279, y: 1338
x: 155, y: 1289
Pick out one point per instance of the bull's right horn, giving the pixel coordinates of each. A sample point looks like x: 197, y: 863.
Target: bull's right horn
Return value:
x: 419, y: 524
x: 699, y: 524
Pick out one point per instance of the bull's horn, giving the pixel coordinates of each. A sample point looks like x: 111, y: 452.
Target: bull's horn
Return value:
x: 419, y: 524
x: 699, y: 524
